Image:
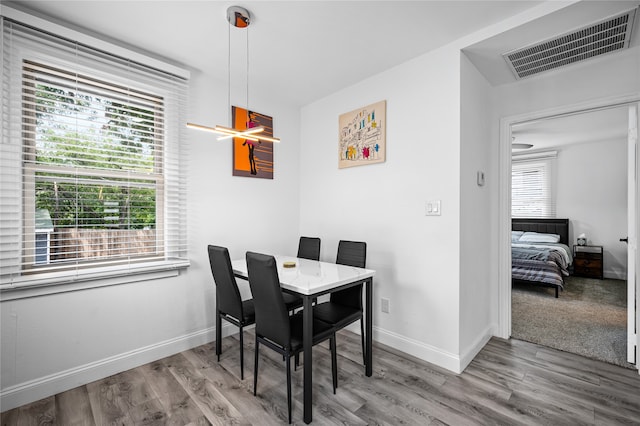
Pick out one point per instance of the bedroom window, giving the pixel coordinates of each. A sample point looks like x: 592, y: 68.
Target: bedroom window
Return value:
x: 91, y: 182
x: 531, y: 187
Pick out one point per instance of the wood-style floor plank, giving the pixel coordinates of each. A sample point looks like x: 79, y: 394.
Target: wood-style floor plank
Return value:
x: 177, y: 403
x: 149, y: 413
x: 238, y: 393
x: 211, y: 402
x: 508, y: 383
x: 37, y: 413
x: 103, y: 395
x: 73, y: 407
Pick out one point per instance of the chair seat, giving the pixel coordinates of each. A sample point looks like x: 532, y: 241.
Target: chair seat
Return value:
x: 291, y: 301
x: 249, y: 312
x: 335, y: 314
x: 321, y: 331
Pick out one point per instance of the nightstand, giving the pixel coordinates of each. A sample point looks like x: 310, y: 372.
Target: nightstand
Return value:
x: 588, y: 261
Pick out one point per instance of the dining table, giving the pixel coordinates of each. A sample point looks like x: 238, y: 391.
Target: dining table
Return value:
x: 311, y: 279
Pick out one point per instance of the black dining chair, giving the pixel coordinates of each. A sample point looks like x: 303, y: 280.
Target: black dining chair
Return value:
x: 229, y: 303
x: 309, y: 248
x: 345, y: 306
x: 274, y: 327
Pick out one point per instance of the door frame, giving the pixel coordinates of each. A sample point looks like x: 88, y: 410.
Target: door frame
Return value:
x: 504, y: 193
x: 633, y: 161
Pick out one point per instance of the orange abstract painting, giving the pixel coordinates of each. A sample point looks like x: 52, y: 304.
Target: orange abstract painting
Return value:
x: 252, y: 158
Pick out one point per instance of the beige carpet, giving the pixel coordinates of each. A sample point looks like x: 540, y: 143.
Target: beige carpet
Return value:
x: 589, y: 318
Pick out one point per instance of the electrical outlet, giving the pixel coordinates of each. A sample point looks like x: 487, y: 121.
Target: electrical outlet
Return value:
x: 384, y: 305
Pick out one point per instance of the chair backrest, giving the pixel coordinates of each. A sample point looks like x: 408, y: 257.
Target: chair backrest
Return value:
x: 228, y: 296
x: 350, y: 253
x: 309, y: 248
x: 272, y: 317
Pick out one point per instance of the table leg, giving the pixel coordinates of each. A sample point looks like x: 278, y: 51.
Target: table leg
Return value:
x: 307, y: 340
x: 369, y: 327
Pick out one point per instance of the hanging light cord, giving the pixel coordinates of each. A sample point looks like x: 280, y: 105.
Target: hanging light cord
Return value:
x: 229, y: 75
x: 247, y: 74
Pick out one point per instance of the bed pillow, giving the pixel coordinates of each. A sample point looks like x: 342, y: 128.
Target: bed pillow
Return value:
x: 536, y: 237
x: 515, y: 235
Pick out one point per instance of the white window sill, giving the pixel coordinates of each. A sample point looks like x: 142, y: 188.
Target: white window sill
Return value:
x: 53, y: 283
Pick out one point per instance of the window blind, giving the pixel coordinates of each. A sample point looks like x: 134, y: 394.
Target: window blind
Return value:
x: 92, y: 167
x: 532, y: 194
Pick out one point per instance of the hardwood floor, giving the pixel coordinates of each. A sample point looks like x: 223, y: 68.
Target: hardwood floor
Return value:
x: 509, y: 382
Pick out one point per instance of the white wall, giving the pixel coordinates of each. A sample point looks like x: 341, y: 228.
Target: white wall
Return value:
x: 56, y: 342
x: 475, y: 260
x: 415, y: 257
x: 592, y: 192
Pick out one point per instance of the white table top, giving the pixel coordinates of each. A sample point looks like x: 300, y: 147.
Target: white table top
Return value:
x: 310, y: 276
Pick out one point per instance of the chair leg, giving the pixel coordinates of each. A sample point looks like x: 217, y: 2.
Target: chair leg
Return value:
x: 364, y: 355
x: 218, y: 334
x: 297, y: 361
x: 241, y: 354
x: 255, y: 369
x: 334, y: 364
x: 288, y: 357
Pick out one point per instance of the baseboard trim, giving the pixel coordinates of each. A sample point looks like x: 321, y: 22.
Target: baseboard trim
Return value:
x: 34, y: 390
x: 615, y: 275
x: 418, y: 349
x: 469, y: 354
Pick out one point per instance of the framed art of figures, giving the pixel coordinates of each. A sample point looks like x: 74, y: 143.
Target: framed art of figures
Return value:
x: 252, y: 158
x: 362, y: 136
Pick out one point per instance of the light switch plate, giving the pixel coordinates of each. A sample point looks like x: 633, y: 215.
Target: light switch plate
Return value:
x: 433, y: 208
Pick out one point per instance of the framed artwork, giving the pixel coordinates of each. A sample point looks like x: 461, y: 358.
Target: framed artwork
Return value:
x: 362, y: 136
x: 252, y: 158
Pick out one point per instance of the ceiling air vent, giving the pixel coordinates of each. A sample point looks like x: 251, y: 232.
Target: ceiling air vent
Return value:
x: 604, y: 36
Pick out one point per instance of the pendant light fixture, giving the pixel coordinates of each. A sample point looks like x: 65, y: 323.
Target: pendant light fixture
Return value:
x: 239, y: 17
x: 519, y: 145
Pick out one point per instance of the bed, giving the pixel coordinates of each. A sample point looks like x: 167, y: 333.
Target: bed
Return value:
x: 537, y: 256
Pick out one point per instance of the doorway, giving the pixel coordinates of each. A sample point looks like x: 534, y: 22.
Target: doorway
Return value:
x: 504, y: 293
x: 574, y: 167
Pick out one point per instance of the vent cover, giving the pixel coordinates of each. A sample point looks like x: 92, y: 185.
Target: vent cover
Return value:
x: 604, y: 36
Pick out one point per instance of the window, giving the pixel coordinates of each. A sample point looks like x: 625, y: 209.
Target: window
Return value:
x: 531, y: 186
x: 91, y: 183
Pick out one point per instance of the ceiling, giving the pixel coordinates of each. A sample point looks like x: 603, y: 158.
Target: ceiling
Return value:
x: 300, y: 51
x: 592, y: 126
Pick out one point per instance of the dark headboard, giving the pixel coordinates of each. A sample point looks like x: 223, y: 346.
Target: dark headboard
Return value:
x: 547, y: 226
